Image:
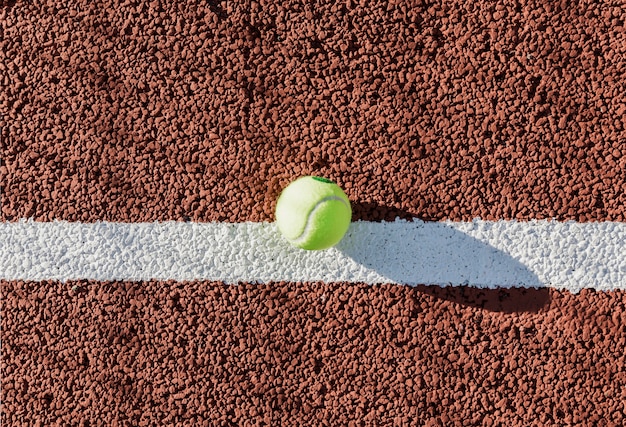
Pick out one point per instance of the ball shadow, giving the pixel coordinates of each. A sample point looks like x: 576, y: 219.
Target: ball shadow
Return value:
x: 505, y: 300
x: 438, y: 260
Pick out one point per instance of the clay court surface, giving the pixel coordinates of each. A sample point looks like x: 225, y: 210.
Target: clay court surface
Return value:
x: 202, y: 111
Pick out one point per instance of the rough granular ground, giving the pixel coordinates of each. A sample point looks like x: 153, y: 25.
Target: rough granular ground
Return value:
x: 205, y: 110
x: 86, y: 353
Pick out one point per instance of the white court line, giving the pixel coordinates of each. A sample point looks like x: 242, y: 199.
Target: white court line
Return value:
x: 562, y: 255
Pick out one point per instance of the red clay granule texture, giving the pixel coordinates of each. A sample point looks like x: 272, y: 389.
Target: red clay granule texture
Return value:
x: 154, y: 353
x: 205, y: 110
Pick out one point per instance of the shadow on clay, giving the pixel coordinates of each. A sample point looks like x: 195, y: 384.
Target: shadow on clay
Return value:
x: 7, y: 3
x: 473, y: 273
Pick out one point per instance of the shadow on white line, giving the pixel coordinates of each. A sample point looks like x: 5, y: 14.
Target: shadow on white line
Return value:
x: 433, y: 253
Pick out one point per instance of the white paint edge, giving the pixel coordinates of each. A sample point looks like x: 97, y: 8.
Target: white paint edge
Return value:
x: 563, y: 255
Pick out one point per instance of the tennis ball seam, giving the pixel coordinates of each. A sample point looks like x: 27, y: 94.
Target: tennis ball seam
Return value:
x: 302, y: 237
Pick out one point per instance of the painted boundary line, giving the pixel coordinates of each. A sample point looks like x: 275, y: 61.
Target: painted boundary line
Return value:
x: 563, y: 255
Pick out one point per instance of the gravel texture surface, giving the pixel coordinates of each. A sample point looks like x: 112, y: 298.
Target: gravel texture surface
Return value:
x: 204, y: 110
x: 203, y: 353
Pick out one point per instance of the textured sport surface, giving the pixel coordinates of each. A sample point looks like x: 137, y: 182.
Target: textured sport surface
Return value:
x: 202, y: 111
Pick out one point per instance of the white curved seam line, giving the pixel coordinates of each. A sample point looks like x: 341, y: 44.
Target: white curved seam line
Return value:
x: 307, y: 226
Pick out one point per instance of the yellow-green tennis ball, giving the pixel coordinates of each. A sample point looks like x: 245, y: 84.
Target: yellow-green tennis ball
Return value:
x: 313, y: 213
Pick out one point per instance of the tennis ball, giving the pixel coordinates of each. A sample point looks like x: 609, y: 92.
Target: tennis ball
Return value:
x: 313, y: 213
